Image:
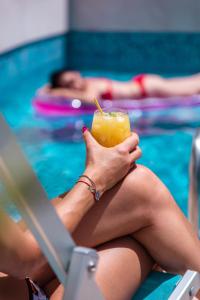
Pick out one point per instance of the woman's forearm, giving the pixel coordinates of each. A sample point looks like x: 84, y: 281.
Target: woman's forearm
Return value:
x: 71, y: 206
x: 75, y: 204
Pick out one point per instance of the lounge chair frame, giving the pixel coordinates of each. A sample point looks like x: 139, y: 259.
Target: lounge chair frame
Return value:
x: 74, y: 266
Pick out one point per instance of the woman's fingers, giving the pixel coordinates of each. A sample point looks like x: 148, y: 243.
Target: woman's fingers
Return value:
x: 128, y: 147
x: 130, y: 143
x: 135, y: 154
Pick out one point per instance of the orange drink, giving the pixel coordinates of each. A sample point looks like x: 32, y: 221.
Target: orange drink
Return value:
x: 110, y: 128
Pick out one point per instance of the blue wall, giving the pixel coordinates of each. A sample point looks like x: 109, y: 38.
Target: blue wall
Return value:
x: 168, y: 53
x: 41, y: 56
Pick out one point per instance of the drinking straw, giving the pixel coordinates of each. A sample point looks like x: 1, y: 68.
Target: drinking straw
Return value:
x: 98, y: 105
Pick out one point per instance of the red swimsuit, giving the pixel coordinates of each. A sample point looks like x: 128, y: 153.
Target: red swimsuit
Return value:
x: 139, y: 79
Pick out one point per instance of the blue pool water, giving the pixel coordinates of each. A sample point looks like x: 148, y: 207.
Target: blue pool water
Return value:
x: 56, y: 151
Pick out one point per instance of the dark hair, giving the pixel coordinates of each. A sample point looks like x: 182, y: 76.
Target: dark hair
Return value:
x: 55, y: 78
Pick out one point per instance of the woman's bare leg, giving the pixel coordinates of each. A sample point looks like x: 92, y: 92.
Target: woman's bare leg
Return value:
x: 166, y: 87
x: 142, y: 206
x: 123, y: 265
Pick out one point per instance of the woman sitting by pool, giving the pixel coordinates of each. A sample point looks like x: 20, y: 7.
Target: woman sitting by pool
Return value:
x: 135, y: 224
x: 71, y: 84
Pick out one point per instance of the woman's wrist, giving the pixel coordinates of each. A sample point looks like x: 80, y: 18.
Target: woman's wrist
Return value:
x: 96, y: 178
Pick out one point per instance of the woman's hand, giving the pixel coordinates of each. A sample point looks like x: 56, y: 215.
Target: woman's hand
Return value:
x: 107, y: 166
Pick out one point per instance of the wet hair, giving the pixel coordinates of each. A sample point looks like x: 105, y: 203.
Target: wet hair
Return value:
x: 55, y: 78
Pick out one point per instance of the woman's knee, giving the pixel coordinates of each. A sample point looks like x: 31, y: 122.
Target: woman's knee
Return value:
x: 122, y: 256
x: 148, y: 190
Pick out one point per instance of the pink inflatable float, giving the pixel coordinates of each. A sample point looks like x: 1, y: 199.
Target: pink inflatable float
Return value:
x: 59, y: 106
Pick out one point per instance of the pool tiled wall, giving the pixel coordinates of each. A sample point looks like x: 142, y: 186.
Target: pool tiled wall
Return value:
x: 46, y: 54
x: 168, y: 53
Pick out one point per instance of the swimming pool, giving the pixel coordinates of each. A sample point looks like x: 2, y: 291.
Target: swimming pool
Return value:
x: 55, y: 149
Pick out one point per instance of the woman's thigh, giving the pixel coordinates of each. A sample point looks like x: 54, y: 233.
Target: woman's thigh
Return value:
x: 123, y: 265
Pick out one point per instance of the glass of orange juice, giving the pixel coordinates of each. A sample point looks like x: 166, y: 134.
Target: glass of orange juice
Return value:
x: 110, y: 127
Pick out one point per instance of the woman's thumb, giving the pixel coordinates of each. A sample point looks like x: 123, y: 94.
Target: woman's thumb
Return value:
x: 88, y: 138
